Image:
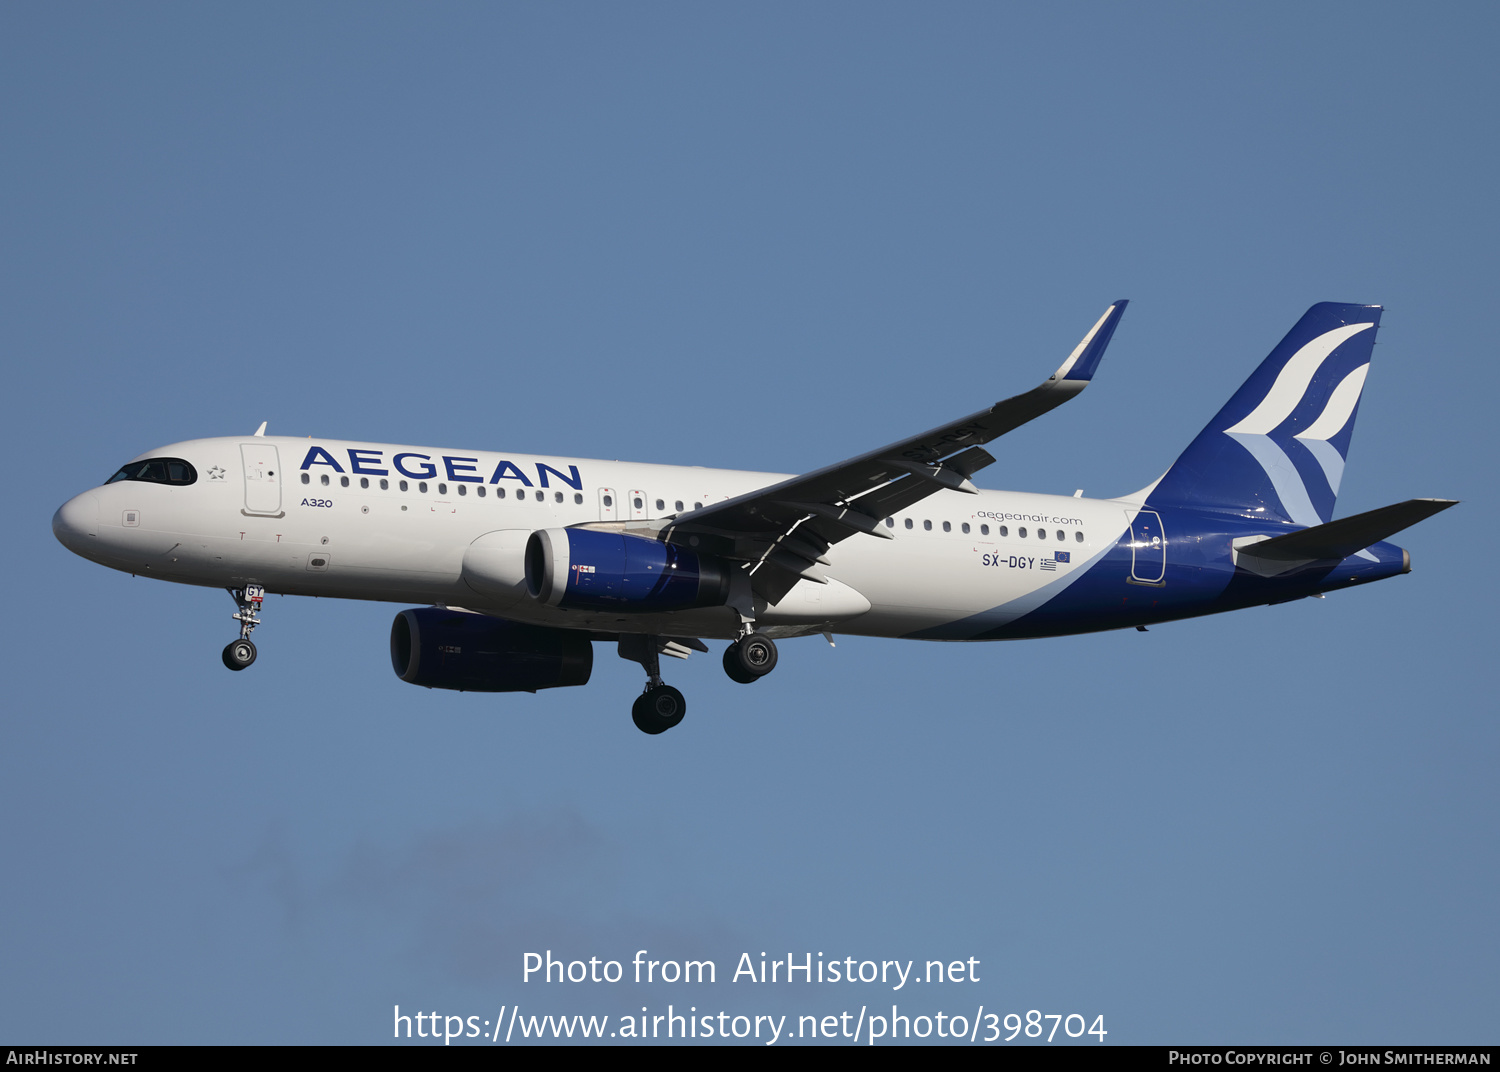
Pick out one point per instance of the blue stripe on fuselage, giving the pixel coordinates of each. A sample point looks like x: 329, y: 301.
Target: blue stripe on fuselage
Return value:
x: 1200, y: 578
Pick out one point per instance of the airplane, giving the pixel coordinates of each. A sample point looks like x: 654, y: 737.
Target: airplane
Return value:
x: 523, y: 562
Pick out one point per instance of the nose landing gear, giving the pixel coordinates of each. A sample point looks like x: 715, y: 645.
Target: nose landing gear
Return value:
x: 240, y: 653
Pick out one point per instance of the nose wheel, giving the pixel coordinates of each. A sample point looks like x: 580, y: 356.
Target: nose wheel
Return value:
x: 240, y: 653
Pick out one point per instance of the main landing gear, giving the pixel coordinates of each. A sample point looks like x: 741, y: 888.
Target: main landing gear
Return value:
x: 659, y: 707
x: 240, y: 653
x: 750, y: 658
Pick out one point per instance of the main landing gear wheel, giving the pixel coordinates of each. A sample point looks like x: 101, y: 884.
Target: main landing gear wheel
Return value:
x: 239, y: 654
x: 750, y: 658
x: 732, y: 667
x: 658, y: 709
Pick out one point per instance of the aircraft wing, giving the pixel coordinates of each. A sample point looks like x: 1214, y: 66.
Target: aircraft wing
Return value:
x: 784, y: 530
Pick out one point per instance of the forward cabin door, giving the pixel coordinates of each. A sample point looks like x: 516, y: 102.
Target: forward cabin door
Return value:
x: 262, y: 479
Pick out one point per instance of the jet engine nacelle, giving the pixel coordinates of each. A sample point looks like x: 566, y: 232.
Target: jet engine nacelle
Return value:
x: 588, y: 569
x: 453, y: 649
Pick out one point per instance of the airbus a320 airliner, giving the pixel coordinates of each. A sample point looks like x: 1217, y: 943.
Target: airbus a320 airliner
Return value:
x: 525, y: 561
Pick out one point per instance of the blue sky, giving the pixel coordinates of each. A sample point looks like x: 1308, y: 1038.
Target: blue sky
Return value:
x: 762, y: 237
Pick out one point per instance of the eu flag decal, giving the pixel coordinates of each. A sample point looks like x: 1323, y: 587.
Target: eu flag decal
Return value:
x: 1062, y: 556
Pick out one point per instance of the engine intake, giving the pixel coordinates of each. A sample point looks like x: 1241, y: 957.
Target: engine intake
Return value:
x: 452, y: 649
x: 586, y: 569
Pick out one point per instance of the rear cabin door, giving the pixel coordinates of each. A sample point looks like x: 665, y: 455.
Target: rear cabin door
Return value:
x: 1148, y: 549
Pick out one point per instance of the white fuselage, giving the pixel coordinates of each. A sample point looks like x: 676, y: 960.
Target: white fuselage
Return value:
x: 427, y: 525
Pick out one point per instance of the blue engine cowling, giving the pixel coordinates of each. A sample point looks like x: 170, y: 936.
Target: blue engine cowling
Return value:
x: 586, y: 569
x: 453, y: 649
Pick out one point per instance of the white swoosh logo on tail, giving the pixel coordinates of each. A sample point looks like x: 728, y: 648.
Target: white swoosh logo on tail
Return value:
x: 1291, y: 383
x: 1331, y: 422
x: 1286, y: 394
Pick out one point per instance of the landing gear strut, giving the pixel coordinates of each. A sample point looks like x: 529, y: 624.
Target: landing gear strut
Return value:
x: 659, y: 706
x: 750, y: 658
x: 240, y: 653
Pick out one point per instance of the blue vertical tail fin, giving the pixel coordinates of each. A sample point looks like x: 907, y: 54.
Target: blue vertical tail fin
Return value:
x: 1277, y: 448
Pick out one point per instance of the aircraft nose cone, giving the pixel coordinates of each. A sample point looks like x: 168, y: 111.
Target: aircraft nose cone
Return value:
x: 76, y: 522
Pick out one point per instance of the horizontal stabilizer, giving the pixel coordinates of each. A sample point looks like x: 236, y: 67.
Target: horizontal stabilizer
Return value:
x: 1346, y: 536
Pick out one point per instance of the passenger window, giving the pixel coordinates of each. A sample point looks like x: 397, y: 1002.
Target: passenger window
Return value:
x: 660, y: 506
x: 422, y: 487
x: 609, y: 500
x: 306, y: 479
x: 966, y: 528
x: 463, y: 489
x: 323, y: 480
x: 947, y: 527
x: 479, y: 491
x: 1003, y: 530
x: 343, y: 481
x: 927, y: 525
x: 499, y: 493
x: 908, y: 522
x: 984, y: 530
x: 1021, y: 532
x: 539, y: 496
x: 578, y: 498
x: 637, y: 502
x: 1078, y: 536
x: 442, y: 489
x: 1061, y: 535
x: 697, y: 506
x: 364, y: 482
x: 385, y: 485
x: 403, y: 485
x: 558, y: 496
x: 890, y: 522
x: 677, y: 506
x: 1041, y: 534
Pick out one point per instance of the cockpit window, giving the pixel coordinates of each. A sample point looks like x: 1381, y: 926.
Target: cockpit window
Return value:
x: 157, y: 471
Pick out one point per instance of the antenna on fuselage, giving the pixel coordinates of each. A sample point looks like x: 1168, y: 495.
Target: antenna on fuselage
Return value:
x: 262, y: 429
